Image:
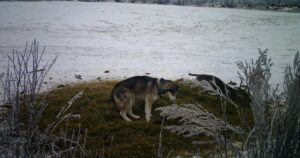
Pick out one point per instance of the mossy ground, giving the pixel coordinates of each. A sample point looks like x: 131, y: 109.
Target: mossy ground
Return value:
x: 130, y: 139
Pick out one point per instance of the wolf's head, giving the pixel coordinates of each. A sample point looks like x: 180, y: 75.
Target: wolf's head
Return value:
x: 169, y: 88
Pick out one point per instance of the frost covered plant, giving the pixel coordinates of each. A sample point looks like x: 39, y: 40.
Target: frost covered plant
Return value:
x: 276, y: 131
x: 23, y: 107
x: 160, y: 150
x: 256, y: 75
x: 287, y: 133
x: 194, y: 120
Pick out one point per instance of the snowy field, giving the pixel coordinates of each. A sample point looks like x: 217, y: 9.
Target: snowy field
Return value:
x: 134, y: 39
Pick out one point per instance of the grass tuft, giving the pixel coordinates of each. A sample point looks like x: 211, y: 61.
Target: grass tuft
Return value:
x: 130, y: 139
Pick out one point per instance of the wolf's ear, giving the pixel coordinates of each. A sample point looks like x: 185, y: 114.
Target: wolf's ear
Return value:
x: 162, y: 79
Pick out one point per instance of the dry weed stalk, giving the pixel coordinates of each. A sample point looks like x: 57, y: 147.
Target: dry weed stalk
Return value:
x: 24, y: 106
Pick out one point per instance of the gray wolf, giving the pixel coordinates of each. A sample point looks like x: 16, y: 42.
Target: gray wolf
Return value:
x: 145, y: 88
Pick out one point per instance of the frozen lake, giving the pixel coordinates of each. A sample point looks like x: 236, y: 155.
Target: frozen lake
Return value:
x: 134, y: 39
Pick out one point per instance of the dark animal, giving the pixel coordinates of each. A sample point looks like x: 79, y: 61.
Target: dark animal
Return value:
x: 237, y: 95
x: 223, y: 86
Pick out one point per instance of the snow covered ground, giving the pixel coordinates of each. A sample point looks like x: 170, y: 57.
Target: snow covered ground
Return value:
x: 134, y: 39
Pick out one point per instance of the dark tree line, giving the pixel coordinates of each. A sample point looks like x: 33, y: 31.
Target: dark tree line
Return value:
x: 267, y: 4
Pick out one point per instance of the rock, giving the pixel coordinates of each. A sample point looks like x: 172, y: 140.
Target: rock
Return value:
x: 60, y: 86
x: 244, y: 87
x: 78, y: 77
x: 107, y: 71
x: 232, y: 83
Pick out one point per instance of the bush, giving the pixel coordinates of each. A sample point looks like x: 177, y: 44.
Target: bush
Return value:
x: 24, y: 106
x: 276, y: 130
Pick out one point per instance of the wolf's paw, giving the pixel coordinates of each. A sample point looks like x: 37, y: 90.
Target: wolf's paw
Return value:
x: 148, y: 117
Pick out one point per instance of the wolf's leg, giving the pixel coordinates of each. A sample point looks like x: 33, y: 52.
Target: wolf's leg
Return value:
x: 122, y: 105
x: 148, y: 107
x: 131, y: 102
x: 124, y: 110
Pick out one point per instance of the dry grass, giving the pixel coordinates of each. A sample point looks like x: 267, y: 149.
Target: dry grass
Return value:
x: 130, y: 139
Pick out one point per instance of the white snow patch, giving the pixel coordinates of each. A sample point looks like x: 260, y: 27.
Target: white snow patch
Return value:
x: 132, y: 39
